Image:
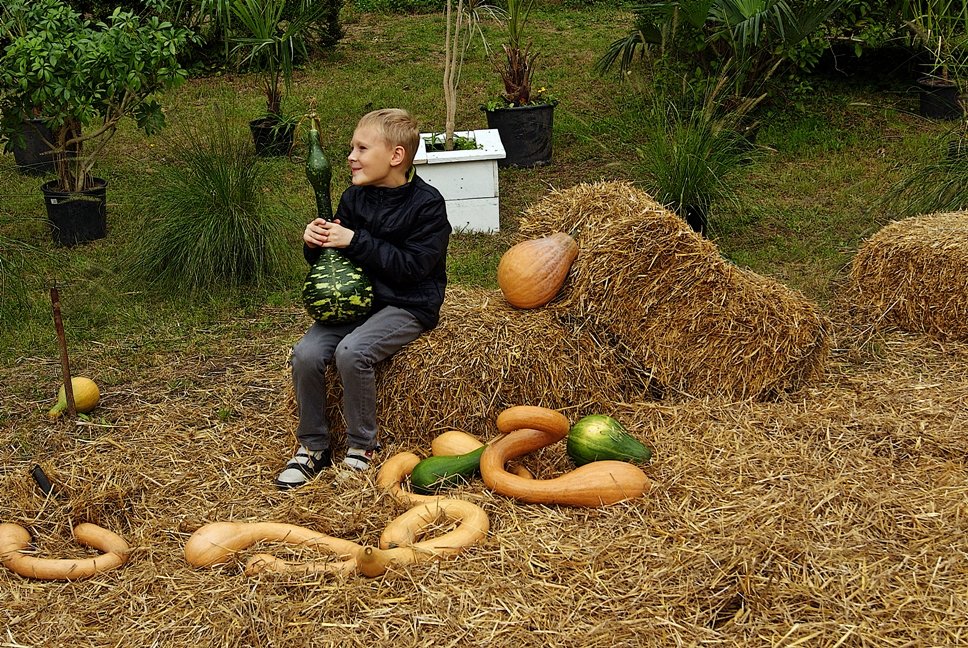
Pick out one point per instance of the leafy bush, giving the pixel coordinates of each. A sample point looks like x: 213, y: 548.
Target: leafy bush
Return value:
x: 211, y: 21
x: 84, y: 78
x: 101, y: 9
x: 211, y: 224
x: 858, y: 27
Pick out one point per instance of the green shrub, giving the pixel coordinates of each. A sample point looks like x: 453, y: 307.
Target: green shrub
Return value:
x: 211, y: 21
x: 751, y: 36
x: 859, y: 27
x: 210, y: 223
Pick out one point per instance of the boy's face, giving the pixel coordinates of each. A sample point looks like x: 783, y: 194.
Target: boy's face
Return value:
x: 373, y: 161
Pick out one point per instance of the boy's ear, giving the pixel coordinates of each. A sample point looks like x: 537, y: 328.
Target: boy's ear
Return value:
x: 398, y: 156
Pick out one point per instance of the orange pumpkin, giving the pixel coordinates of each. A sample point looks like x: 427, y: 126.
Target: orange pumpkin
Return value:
x: 532, y: 273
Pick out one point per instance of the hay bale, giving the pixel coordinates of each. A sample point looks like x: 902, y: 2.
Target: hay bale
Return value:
x: 913, y: 274
x: 700, y: 324
x: 486, y: 356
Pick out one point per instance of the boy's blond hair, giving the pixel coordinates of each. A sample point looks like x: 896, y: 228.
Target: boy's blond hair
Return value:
x: 397, y: 127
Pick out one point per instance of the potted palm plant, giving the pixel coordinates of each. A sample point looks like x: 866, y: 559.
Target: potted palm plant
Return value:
x: 269, y: 42
x: 87, y: 77
x: 523, y: 116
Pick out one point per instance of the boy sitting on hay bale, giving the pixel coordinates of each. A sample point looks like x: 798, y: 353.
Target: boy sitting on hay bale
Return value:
x: 394, y: 226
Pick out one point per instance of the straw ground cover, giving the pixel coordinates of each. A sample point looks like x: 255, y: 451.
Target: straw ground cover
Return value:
x: 832, y: 516
x: 837, y: 514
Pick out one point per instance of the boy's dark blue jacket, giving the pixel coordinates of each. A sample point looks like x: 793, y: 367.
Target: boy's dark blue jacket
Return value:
x: 400, y: 240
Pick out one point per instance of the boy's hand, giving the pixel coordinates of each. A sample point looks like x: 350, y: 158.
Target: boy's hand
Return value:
x: 323, y: 233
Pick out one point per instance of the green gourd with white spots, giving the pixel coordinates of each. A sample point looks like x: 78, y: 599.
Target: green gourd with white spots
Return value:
x: 336, y: 290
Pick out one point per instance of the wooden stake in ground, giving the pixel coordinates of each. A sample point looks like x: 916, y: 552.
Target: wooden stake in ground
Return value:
x: 62, y: 344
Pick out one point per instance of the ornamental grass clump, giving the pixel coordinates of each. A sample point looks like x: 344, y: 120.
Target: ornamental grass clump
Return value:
x: 691, y: 147
x: 14, y: 288
x: 210, y: 223
x: 935, y: 182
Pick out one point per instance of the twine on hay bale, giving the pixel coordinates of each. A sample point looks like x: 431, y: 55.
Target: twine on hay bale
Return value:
x: 913, y: 274
x: 701, y: 325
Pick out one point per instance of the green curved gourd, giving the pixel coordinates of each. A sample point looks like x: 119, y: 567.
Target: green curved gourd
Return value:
x: 336, y: 290
x: 435, y: 473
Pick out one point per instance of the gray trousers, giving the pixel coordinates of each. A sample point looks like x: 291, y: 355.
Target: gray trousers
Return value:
x: 356, y: 349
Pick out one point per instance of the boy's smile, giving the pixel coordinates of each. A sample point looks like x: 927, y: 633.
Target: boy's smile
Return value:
x: 372, y: 161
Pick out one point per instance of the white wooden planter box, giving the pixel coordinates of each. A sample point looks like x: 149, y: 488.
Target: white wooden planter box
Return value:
x: 466, y: 179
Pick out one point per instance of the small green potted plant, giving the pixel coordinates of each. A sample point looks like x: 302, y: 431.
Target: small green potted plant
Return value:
x: 87, y: 77
x: 522, y: 115
x: 269, y: 42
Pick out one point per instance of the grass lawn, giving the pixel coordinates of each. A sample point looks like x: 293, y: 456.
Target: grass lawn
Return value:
x: 833, y: 517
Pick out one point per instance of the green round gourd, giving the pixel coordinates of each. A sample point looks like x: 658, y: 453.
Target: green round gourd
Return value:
x: 336, y: 290
x: 599, y: 437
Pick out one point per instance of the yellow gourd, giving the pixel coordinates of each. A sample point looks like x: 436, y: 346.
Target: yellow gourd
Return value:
x: 86, y: 397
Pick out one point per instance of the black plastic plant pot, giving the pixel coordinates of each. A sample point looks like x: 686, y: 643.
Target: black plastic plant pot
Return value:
x: 34, y: 157
x: 76, y: 217
x: 695, y: 217
x: 939, y: 99
x: 271, y: 137
x: 525, y: 133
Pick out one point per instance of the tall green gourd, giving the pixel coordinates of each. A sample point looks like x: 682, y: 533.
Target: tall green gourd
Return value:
x: 319, y: 172
x: 336, y: 290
